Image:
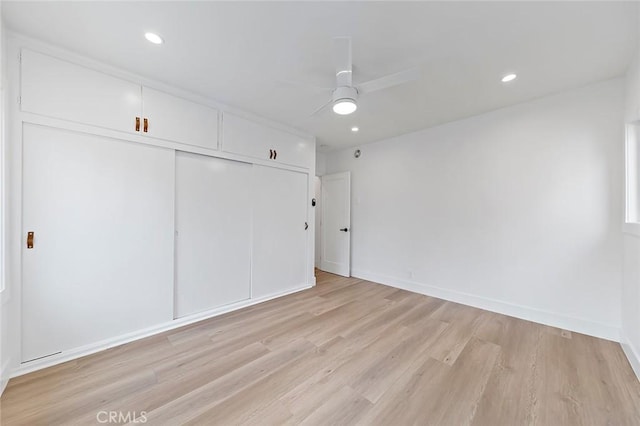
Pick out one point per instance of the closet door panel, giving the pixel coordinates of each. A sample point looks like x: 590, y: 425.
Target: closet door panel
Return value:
x: 280, y: 238
x: 60, y: 89
x: 179, y: 120
x: 102, y: 213
x: 213, y: 222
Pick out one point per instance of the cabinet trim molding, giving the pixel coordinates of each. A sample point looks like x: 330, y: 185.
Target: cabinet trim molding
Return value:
x: 32, y: 118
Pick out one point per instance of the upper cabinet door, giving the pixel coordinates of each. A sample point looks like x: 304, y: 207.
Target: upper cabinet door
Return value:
x: 60, y: 89
x: 244, y: 137
x: 172, y: 118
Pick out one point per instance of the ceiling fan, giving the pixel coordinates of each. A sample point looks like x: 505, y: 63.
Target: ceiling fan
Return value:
x: 345, y: 95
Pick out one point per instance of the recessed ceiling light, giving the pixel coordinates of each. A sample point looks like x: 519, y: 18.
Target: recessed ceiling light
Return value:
x: 355, y: 129
x: 509, y: 77
x: 153, y: 38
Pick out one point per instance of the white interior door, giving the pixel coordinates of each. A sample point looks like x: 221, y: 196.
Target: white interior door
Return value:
x: 336, y: 224
x: 213, y: 224
x: 102, y: 213
x: 279, y: 234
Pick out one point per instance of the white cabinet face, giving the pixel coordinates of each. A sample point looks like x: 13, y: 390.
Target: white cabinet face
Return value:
x: 279, y: 235
x: 244, y: 137
x: 60, y: 89
x: 213, y: 222
x: 179, y: 120
x: 102, y: 214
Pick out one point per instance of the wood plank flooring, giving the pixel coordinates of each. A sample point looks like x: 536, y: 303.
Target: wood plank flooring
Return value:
x: 347, y: 352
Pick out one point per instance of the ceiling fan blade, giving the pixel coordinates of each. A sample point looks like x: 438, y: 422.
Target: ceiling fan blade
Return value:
x: 321, y: 108
x: 305, y: 86
x: 343, y: 61
x: 389, y: 81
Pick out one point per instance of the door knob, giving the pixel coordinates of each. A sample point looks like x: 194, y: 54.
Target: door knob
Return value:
x: 344, y: 229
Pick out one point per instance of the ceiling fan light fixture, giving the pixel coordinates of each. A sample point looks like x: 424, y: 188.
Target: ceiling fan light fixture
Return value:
x: 344, y: 100
x: 344, y: 106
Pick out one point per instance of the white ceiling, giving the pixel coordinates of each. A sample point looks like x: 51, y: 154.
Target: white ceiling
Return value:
x: 238, y: 52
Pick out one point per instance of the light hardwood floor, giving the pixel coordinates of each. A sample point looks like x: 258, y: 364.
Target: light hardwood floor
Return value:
x: 345, y: 352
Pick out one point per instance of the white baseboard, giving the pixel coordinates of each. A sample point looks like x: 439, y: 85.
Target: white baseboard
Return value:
x: 631, y: 353
x: 75, y: 353
x: 578, y: 325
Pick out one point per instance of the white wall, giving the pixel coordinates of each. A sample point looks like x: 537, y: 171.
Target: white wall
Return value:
x: 321, y: 168
x: 516, y: 211
x: 9, y: 302
x: 3, y: 323
x: 5, y: 353
x: 631, y: 283
x: 321, y: 163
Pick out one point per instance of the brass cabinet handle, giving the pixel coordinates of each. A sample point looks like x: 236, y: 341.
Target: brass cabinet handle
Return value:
x: 137, y: 124
x: 30, y: 239
x: 146, y: 125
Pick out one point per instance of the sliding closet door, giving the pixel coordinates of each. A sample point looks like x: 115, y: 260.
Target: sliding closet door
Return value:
x: 213, y: 223
x: 280, y: 238
x: 102, y: 216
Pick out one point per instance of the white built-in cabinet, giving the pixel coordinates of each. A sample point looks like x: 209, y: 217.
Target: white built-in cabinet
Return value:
x: 176, y: 119
x: 280, y: 230
x: 213, y: 232
x: 56, y: 88
x: 131, y: 234
x: 245, y: 137
x: 101, y: 213
x: 221, y: 205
